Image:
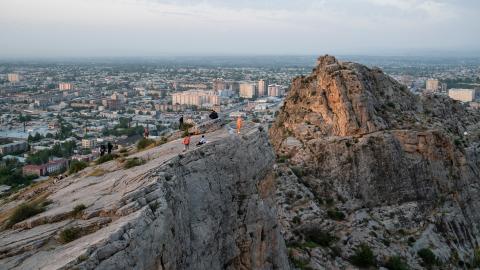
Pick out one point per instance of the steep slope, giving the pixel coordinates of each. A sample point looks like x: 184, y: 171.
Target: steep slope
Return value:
x: 364, y: 161
x: 209, y: 208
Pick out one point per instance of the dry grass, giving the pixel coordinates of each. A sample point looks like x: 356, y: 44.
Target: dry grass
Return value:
x: 24, y: 210
x: 97, y: 172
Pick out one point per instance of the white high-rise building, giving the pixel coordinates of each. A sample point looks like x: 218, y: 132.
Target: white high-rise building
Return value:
x: 65, y: 86
x: 196, y: 98
x: 274, y: 90
x: 119, y: 97
x: 248, y: 90
x: 432, y: 85
x: 219, y: 84
x: 463, y: 95
x: 262, y: 88
x: 13, y: 77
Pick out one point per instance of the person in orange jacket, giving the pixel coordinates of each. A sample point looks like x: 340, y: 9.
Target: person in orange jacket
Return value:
x: 239, y: 124
x: 186, y: 142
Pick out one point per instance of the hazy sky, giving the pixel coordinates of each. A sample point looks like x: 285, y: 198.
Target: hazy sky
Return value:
x: 76, y: 28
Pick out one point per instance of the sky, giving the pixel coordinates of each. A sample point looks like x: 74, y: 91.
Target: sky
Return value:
x: 149, y: 28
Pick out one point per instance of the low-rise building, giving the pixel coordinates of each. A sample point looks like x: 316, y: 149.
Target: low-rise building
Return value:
x: 51, y: 167
x: 13, y: 147
x: 463, y: 95
x: 88, y: 143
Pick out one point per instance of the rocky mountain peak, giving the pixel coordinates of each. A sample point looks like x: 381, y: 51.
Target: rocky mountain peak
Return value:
x: 345, y: 99
x: 373, y: 165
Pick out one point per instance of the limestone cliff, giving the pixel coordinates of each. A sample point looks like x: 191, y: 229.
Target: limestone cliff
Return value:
x: 364, y: 161
x: 209, y: 208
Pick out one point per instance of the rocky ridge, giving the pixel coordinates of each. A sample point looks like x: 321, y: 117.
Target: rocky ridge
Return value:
x: 209, y: 208
x: 364, y: 162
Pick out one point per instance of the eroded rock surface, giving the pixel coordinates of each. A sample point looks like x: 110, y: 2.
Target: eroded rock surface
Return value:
x: 209, y: 208
x: 363, y: 160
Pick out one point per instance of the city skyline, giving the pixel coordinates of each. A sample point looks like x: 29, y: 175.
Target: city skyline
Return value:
x: 108, y: 28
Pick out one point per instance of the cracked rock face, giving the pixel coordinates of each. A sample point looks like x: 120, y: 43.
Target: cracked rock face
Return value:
x: 362, y: 160
x: 210, y: 208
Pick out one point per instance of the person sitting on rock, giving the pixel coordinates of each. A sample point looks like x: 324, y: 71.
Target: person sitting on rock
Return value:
x: 202, y: 141
x: 213, y: 115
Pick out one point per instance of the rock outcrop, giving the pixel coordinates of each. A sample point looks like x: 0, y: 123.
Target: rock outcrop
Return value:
x: 362, y: 161
x: 209, y: 208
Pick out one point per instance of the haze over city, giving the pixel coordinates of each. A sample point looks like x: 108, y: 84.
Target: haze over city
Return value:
x: 98, y: 28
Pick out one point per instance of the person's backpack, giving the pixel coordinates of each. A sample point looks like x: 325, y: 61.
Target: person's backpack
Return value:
x: 186, y: 140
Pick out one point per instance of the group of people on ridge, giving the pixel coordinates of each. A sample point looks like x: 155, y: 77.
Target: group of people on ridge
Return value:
x: 107, y: 148
x: 186, y: 142
x: 213, y: 115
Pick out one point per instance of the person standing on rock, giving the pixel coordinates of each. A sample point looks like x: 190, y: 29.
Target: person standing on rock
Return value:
x: 180, y: 123
x: 239, y: 124
x: 102, y: 150
x: 109, y: 148
x: 186, y: 142
x: 146, y: 132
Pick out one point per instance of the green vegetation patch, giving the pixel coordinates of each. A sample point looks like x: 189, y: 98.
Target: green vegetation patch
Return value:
x: 298, y: 171
x: 144, y: 143
x: 106, y: 158
x: 476, y: 258
x: 69, y: 234
x: 335, y: 214
x: 11, y: 174
x: 76, y: 166
x: 363, y: 256
x: 23, y: 212
x: 428, y: 257
x: 60, y: 150
x: 78, y: 209
x: 133, y: 162
x: 319, y: 237
x: 396, y: 263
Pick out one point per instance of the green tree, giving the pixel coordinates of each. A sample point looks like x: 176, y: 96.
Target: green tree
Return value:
x: 11, y: 174
x: 123, y: 122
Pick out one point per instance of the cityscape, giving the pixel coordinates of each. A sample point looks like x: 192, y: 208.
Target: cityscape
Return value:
x: 81, y: 107
x: 239, y: 135
x: 78, y: 107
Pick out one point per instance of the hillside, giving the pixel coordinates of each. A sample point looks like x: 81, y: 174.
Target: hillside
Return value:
x: 208, y: 208
x: 367, y: 170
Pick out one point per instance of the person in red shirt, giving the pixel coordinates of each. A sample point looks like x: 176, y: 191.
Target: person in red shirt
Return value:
x: 186, y: 142
x: 239, y: 124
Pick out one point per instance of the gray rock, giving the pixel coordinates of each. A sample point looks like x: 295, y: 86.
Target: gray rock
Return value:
x: 210, y: 208
x: 386, y: 168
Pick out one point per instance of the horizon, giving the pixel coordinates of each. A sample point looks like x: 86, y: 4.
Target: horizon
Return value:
x: 185, y: 57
